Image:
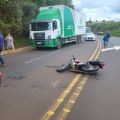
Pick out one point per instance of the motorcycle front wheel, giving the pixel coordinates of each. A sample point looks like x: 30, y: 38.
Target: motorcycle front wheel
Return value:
x: 62, y: 68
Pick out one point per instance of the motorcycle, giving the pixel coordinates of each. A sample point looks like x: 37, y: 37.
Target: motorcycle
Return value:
x: 75, y: 65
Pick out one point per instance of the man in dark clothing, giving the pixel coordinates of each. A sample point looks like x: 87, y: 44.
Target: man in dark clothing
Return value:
x: 106, y: 39
x: 1, y: 47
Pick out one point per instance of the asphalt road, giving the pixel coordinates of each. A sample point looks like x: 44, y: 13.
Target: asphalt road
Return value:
x: 100, y: 98
x: 31, y: 84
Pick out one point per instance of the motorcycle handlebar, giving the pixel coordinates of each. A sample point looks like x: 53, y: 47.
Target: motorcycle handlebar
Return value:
x: 73, y: 57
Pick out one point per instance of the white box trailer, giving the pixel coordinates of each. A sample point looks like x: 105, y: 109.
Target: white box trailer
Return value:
x: 80, y: 23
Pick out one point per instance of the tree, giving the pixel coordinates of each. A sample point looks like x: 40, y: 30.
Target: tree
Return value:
x: 112, y: 26
x: 15, y: 15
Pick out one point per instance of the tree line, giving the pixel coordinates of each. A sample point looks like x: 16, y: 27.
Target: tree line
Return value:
x: 15, y: 15
x: 112, y: 26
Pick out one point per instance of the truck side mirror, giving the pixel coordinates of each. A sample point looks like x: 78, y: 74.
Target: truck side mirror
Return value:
x: 54, y: 25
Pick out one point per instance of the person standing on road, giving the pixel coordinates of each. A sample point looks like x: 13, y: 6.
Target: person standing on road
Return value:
x: 10, y: 42
x: 106, y: 39
x: 1, y: 48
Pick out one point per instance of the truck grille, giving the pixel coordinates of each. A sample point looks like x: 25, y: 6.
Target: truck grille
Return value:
x: 39, y: 38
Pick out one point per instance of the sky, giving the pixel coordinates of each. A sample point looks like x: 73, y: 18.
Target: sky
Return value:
x: 99, y: 9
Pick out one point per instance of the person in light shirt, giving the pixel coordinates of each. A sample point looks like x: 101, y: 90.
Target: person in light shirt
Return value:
x: 10, y: 42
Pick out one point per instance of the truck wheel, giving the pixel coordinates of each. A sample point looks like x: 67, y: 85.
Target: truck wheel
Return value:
x: 78, y: 40
x: 59, y: 45
x: 37, y: 48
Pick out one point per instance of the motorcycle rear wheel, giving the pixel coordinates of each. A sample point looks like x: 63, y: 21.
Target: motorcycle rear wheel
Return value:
x: 90, y: 69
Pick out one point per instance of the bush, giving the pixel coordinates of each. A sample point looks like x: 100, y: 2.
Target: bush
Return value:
x: 115, y: 33
x: 20, y: 42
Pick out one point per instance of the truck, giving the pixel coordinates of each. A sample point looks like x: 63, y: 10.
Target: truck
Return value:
x: 56, y: 25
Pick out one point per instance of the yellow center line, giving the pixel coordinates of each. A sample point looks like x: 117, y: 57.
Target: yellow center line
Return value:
x: 60, y: 99
x: 73, y: 98
x: 96, y: 50
x: 71, y: 101
x: 98, y: 53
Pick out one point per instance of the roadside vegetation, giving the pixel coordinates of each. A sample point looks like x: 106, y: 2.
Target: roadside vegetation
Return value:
x: 15, y: 17
x: 19, y: 42
x: 112, y: 26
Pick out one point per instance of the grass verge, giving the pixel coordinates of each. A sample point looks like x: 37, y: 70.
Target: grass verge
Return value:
x: 20, y: 42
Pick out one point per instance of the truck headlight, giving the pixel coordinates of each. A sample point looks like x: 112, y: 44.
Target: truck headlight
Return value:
x: 49, y: 37
x: 30, y: 37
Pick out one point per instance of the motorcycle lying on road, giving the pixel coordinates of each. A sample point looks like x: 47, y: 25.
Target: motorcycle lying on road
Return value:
x: 75, y: 65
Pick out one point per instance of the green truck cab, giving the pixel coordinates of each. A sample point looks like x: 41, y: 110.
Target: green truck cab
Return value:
x: 56, y: 25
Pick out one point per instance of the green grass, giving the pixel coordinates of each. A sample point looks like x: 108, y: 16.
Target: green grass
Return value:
x: 20, y: 42
x: 116, y: 33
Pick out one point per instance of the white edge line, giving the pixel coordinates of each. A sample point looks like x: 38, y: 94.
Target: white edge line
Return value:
x: 41, y: 57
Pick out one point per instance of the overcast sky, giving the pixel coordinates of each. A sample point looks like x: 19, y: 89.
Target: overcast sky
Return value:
x: 99, y: 10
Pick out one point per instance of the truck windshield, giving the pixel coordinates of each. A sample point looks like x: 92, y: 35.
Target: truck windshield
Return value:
x: 40, y: 26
